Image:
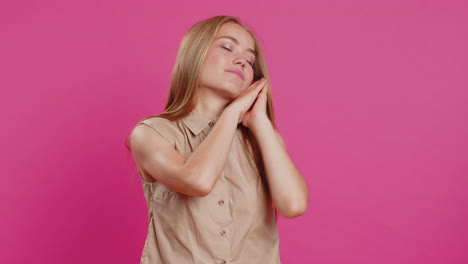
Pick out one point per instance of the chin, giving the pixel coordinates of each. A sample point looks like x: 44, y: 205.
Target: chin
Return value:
x: 234, y: 90
x: 228, y: 89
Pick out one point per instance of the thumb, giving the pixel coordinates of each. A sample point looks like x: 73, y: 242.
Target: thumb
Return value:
x: 262, y: 97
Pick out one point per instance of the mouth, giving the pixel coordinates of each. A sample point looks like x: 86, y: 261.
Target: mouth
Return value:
x: 237, y: 73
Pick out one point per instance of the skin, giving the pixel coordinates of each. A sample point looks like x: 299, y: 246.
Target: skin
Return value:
x: 219, y: 87
x: 226, y: 97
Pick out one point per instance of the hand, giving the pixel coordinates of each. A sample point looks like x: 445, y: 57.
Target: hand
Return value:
x: 244, y: 101
x: 258, y: 111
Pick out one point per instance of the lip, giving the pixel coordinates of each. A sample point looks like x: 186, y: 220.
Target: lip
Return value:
x: 239, y: 73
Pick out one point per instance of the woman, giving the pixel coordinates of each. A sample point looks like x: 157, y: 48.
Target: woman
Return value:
x: 213, y: 166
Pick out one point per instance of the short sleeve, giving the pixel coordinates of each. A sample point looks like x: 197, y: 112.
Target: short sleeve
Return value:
x: 163, y: 127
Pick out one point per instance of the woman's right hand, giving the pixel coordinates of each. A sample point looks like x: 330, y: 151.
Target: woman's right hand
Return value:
x: 245, y: 100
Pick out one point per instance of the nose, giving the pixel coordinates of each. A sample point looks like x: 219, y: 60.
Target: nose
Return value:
x: 240, y: 61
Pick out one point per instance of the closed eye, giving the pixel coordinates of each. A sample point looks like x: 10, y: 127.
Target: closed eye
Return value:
x: 251, y: 64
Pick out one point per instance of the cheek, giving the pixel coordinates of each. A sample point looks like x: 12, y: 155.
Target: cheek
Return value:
x: 216, y: 57
x: 211, y: 64
x: 250, y: 75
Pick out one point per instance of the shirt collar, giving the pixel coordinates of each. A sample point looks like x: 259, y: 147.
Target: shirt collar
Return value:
x: 196, y: 122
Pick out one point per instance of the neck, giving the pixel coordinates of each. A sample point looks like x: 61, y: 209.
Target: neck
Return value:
x: 210, y: 105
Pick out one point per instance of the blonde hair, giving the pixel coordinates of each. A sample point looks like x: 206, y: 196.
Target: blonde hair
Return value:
x: 185, y: 78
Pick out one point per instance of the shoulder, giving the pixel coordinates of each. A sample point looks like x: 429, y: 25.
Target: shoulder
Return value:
x: 156, y: 121
x: 167, y: 129
x: 160, y: 124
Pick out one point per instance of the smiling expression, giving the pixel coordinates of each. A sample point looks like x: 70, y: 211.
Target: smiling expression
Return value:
x: 228, y: 66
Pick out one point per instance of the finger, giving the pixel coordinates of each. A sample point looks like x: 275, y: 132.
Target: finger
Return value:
x: 258, y: 83
x: 259, y: 88
x: 264, y: 90
x: 253, y: 86
x: 254, y: 90
x: 264, y: 95
x: 250, y: 88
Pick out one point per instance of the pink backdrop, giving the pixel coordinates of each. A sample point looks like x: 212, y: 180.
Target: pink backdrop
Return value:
x: 371, y: 99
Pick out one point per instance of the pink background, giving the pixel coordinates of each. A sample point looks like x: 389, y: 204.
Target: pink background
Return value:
x: 371, y: 98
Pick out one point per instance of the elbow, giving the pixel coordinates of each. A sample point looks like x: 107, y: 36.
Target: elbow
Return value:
x: 296, y: 205
x: 201, y: 190
x: 295, y: 209
x: 200, y: 187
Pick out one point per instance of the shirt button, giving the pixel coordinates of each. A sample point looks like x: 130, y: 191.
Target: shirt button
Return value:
x: 211, y: 124
x: 221, y: 202
x: 222, y: 232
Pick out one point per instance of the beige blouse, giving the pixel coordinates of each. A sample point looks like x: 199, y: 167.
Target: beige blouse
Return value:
x: 235, y: 223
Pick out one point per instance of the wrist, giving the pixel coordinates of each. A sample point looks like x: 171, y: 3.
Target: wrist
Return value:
x: 231, y: 113
x: 261, y: 124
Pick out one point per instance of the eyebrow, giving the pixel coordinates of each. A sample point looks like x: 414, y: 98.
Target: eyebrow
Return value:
x: 237, y: 42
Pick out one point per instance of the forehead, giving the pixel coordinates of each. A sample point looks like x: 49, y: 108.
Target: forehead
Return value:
x: 237, y: 32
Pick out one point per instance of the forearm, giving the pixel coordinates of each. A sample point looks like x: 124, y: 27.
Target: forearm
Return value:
x: 287, y: 185
x: 208, y: 159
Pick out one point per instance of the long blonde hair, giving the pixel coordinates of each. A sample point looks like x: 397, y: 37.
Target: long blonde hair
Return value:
x: 185, y: 79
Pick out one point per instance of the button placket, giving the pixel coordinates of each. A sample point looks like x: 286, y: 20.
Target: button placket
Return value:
x: 223, y: 220
x: 222, y: 232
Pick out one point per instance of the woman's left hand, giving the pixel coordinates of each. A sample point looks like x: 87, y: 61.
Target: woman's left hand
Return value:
x: 258, y: 113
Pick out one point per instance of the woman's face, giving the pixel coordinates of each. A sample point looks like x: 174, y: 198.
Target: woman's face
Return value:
x: 227, y: 69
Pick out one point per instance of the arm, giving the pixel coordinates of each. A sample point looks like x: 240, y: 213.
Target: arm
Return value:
x: 195, y: 175
x: 288, y: 187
